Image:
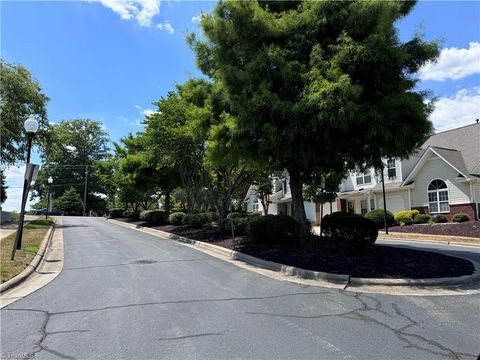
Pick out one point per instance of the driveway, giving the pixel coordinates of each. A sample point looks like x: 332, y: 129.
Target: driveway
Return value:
x: 126, y: 294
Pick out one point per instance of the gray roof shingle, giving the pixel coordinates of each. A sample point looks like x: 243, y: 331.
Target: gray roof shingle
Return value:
x: 466, y: 140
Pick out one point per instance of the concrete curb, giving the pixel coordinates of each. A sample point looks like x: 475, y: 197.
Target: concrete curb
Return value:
x: 458, y: 240
x: 309, y: 274
x: 16, y: 280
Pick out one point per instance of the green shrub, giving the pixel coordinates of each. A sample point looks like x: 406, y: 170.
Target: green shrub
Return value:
x: 273, y: 229
x: 176, y: 218
x: 130, y: 215
x: 377, y: 217
x: 154, y: 216
x: 14, y: 215
x: 241, y: 225
x: 116, y: 212
x: 422, y: 219
x: 197, y: 220
x: 404, y: 220
x: 439, y: 218
x: 208, y: 216
x: 460, y: 217
x: 404, y: 214
x: 350, y: 229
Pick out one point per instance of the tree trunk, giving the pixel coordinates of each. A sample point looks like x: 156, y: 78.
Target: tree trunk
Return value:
x: 167, y: 201
x: 298, y: 208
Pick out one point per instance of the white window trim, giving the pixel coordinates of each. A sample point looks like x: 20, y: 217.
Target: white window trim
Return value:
x: 438, y: 197
x: 362, y: 176
x: 394, y: 168
x: 255, y: 205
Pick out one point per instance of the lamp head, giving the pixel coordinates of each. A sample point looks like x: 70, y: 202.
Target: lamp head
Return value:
x: 31, y: 125
x: 50, y: 180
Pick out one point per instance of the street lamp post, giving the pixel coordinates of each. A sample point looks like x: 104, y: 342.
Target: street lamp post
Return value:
x: 31, y: 127
x: 49, y: 195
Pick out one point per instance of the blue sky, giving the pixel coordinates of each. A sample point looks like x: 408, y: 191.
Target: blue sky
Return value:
x: 109, y: 60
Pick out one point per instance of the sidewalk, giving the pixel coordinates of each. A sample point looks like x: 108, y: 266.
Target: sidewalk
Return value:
x: 11, y: 227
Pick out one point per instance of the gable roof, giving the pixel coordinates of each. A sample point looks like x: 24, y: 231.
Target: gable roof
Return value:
x: 454, y: 158
x: 451, y: 157
x: 466, y: 140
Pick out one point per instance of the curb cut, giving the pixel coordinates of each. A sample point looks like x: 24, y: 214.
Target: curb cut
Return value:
x: 18, y: 279
x: 287, y: 270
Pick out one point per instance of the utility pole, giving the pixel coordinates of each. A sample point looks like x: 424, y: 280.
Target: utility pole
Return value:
x: 85, y: 191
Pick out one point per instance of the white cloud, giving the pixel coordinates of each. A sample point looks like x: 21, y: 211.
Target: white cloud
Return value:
x: 461, y: 109
x: 166, y: 26
x: 15, y: 177
x: 453, y: 63
x: 196, y: 19
x: 143, y: 11
x: 148, y: 112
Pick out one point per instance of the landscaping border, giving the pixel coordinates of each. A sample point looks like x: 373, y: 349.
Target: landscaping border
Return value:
x: 283, y: 269
x: 18, y: 279
x: 457, y: 240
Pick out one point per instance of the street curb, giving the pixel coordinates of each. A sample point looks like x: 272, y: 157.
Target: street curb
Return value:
x: 457, y: 240
x: 347, y: 280
x: 18, y: 279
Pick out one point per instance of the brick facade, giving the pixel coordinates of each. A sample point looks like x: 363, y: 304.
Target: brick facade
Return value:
x: 468, y: 209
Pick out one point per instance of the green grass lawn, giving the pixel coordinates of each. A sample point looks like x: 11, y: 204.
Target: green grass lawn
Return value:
x: 33, y: 235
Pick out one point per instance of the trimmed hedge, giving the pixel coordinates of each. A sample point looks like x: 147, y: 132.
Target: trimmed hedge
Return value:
x: 154, y: 216
x: 197, y: 220
x: 405, y: 213
x: 176, y: 218
x: 130, y: 214
x: 116, y: 212
x: 377, y: 217
x: 241, y: 225
x: 404, y: 220
x: 350, y: 229
x: 422, y: 219
x: 460, y: 217
x: 439, y: 218
x: 273, y: 229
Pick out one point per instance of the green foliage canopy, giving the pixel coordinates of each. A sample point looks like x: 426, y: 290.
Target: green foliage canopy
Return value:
x: 20, y: 97
x: 317, y: 85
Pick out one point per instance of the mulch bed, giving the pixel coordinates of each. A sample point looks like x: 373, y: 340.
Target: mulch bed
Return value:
x: 468, y: 229
x: 375, y: 261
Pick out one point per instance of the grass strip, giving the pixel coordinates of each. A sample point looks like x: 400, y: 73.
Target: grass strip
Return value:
x: 33, y: 235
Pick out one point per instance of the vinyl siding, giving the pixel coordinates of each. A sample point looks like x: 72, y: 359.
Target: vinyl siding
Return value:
x: 458, y: 192
x: 396, y: 201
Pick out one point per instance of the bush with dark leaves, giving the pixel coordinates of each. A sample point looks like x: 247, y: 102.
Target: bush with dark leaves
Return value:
x: 460, y: 217
x: 422, y: 219
x: 377, y: 216
x: 116, y: 213
x: 273, y: 229
x: 350, y: 229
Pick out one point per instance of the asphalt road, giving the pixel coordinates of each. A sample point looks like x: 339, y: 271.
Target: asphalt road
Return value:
x: 124, y: 294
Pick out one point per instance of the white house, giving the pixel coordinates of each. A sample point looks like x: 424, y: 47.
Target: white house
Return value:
x: 443, y: 176
x: 280, y: 202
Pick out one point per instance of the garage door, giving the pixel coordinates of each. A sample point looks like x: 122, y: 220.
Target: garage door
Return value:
x: 395, y: 203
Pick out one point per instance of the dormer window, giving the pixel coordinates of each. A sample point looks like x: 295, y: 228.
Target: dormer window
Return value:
x: 364, y: 178
x: 391, y: 169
